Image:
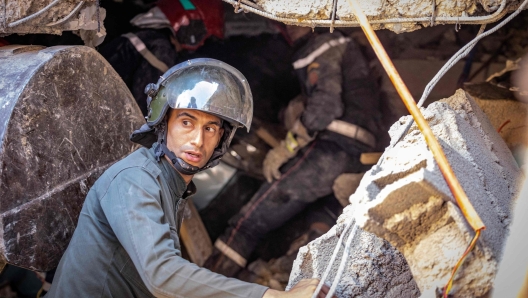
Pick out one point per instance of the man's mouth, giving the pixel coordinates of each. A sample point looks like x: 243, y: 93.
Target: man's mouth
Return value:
x: 194, y: 157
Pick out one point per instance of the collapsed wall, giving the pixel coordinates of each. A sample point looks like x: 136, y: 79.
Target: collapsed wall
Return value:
x: 405, y: 200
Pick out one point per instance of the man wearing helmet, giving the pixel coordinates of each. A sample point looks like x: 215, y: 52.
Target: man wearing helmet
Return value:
x: 126, y: 243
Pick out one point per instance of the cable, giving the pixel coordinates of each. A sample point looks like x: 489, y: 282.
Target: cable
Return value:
x: 343, y: 263
x: 463, y: 52
x: 30, y: 17
x: 340, y: 23
x: 63, y: 20
x: 332, y: 259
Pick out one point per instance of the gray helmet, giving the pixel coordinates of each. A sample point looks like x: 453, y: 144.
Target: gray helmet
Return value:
x: 203, y: 84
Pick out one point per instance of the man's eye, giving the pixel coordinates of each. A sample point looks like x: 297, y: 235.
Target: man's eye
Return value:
x: 210, y: 129
x: 186, y: 122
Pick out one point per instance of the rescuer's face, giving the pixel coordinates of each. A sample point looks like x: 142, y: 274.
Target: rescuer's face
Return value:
x: 193, y: 135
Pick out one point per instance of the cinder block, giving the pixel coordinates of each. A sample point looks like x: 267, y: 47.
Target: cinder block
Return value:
x: 405, y: 200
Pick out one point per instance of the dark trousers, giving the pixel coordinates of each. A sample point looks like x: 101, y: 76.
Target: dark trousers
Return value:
x: 305, y: 178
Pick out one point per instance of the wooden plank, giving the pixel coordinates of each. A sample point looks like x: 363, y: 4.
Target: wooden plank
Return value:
x: 370, y: 158
x: 267, y: 137
x: 195, y: 238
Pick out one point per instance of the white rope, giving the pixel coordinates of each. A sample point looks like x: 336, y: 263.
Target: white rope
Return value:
x: 344, y: 261
x: 36, y: 14
x: 332, y: 259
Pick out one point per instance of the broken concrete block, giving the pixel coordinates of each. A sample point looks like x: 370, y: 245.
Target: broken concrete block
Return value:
x: 416, y: 212
x: 405, y: 200
x: 374, y: 268
x: 510, y: 119
x: 65, y: 117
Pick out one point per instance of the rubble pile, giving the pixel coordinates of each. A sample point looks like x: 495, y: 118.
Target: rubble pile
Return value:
x: 403, y: 204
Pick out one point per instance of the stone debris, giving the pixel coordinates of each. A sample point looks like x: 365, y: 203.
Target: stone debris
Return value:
x: 405, y: 200
x: 83, y: 22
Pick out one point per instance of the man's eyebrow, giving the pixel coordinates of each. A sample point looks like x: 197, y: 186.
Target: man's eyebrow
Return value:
x: 186, y: 114
x: 217, y: 123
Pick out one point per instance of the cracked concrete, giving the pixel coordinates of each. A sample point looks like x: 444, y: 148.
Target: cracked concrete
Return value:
x: 405, y: 200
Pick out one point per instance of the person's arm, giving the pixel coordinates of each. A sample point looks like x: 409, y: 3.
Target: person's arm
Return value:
x: 132, y: 208
x: 305, y: 288
x: 324, y: 103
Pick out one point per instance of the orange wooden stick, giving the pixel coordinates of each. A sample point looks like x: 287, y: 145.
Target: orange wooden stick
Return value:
x: 460, y: 196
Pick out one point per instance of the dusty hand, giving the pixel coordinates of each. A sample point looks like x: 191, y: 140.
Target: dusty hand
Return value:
x: 275, y: 158
x: 304, y: 289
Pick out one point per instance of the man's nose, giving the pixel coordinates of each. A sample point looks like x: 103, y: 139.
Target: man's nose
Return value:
x: 198, y: 136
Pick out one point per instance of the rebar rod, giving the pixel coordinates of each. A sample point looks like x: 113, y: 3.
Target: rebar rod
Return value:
x: 454, y: 185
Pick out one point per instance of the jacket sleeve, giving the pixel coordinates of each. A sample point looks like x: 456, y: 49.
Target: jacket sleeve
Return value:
x: 132, y: 208
x: 324, y: 78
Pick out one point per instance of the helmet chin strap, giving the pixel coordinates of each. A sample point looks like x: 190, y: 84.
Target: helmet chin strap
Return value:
x: 180, y: 165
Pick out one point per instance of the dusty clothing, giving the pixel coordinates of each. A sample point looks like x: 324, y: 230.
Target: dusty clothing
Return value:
x: 135, y: 71
x: 337, y: 85
x: 126, y: 242
x: 305, y: 178
x: 336, y: 81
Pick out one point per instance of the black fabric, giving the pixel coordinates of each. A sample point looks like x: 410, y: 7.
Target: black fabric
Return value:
x: 135, y: 71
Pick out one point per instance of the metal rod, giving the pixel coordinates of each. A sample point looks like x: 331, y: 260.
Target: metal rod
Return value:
x: 36, y: 14
x: 460, y: 196
x: 66, y: 18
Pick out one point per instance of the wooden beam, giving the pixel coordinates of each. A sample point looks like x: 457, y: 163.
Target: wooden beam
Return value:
x: 195, y: 238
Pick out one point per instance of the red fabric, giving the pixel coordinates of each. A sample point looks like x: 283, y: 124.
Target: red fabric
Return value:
x: 3, y: 42
x: 211, y: 12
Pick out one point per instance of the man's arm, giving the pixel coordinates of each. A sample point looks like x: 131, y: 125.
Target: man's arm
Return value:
x: 324, y: 79
x: 305, y: 288
x: 132, y: 208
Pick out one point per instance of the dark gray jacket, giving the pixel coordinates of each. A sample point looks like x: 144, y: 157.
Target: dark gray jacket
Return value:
x: 126, y: 242
x: 336, y: 80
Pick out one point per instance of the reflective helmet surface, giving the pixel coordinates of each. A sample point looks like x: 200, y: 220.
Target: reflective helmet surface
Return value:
x: 202, y: 84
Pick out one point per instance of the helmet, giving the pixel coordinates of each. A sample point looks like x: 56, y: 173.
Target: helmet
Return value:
x: 193, y: 21
x: 203, y: 84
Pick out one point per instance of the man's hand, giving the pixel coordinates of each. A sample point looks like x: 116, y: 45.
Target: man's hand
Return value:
x: 304, y: 289
x: 275, y: 158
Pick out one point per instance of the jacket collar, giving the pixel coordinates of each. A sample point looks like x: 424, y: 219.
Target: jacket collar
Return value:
x: 176, y: 182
